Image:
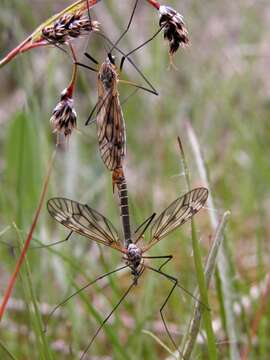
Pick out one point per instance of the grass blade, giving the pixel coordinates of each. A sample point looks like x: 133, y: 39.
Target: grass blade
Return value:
x: 20, y: 261
x: 211, y: 343
x: 222, y: 265
x: 45, y: 353
x: 7, y: 352
x: 194, y: 325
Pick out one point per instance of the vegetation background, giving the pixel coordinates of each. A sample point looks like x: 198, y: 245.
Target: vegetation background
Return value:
x: 222, y: 87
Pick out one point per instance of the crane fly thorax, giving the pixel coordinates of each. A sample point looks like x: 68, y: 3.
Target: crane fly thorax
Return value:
x: 108, y: 76
x: 134, y: 255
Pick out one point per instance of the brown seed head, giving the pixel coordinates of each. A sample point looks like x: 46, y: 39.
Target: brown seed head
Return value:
x: 174, y: 27
x: 64, y: 117
x: 67, y: 27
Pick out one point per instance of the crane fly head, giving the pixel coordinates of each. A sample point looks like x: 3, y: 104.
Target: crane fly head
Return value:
x: 108, y: 74
x: 111, y: 59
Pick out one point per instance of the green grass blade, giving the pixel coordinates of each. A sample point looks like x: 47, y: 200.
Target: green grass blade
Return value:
x: 7, y: 352
x: 35, y: 316
x: 223, y: 264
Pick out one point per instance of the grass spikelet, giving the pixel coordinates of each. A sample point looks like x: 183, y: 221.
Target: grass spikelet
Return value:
x: 175, y: 31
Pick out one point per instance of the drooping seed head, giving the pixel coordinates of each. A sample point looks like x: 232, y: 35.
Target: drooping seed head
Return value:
x: 69, y: 26
x: 64, y: 117
x: 175, y: 31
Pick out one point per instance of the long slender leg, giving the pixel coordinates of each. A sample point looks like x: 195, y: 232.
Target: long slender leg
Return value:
x: 139, y: 47
x: 91, y: 58
x: 106, y: 319
x: 146, y: 224
x: 164, y: 304
x: 89, y: 120
x: 121, y: 36
x: 39, y: 246
x: 175, y: 284
x: 129, y: 96
x: 167, y: 257
x: 53, y: 244
x: 152, y: 90
x: 80, y: 290
x: 127, y: 28
x: 86, y: 66
x: 174, y: 279
x: 88, y: 13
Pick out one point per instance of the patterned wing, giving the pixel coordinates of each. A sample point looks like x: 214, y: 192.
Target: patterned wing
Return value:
x: 176, y: 214
x: 111, y: 132
x: 85, y: 221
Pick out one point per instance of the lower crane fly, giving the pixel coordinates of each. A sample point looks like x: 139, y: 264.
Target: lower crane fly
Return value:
x: 87, y: 222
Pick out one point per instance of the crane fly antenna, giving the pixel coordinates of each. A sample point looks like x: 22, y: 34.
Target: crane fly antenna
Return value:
x: 106, y: 319
x: 79, y: 291
x: 147, y: 222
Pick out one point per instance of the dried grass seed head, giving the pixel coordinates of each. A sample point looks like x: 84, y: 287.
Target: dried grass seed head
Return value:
x: 64, y: 117
x: 69, y: 26
x: 174, y: 27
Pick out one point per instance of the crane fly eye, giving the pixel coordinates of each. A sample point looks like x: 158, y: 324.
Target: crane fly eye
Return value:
x: 111, y: 58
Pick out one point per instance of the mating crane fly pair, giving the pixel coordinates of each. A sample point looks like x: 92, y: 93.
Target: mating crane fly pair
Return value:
x: 87, y: 222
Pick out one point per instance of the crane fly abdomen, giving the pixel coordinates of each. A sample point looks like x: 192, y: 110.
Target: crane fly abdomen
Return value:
x: 110, y: 120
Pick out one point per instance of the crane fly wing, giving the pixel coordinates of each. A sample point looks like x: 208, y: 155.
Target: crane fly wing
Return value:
x: 176, y: 214
x: 85, y: 221
x: 111, y: 131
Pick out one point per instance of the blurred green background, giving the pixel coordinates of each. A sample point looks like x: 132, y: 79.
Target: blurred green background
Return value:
x: 222, y: 87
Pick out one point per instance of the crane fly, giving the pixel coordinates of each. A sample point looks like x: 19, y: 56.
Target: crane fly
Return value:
x: 87, y: 222
x: 111, y: 130
x: 110, y: 120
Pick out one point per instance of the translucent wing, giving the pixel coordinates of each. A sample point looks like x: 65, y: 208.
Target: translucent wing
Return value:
x: 111, y: 132
x: 176, y: 214
x: 85, y: 221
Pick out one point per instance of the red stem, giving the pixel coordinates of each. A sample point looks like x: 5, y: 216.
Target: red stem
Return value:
x: 19, y: 263
x: 154, y: 3
x: 14, y: 52
x: 71, y: 85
